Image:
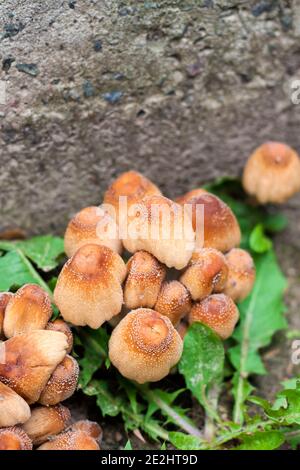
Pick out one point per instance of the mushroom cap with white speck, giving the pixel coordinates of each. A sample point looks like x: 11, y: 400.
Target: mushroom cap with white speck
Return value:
x: 174, y: 301
x: 71, y: 440
x: 241, y: 274
x: 13, y: 409
x: 14, y: 438
x: 5, y: 297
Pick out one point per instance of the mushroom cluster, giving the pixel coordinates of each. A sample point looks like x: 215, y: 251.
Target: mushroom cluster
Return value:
x: 180, y: 270
x: 37, y: 373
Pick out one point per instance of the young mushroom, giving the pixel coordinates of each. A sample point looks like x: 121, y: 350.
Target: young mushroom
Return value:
x: 174, y: 301
x: 89, y: 287
x: 206, y: 273
x: 217, y: 311
x: 45, y: 422
x: 92, y: 225
x: 241, y: 274
x: 213, y: 221
x: 5, y: 297
x: 144, y: 280
x: 13, y: 409
x: 145, y: 346
x: 63, y: 327
x: 14, y: 438
x: 89, y: 427
x: 62, y: 383
x: 29, y: 309
x: 272, y: 173
x: 161, y: 227
x: 71, y: 440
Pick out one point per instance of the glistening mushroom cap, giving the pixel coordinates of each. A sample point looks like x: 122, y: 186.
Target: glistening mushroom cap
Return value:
x: 14, y: 438
x: 13, y: 409
x: 5, y: 297
x: 45, y: 422
x: 206, y: 273
x: 89, y: 290
x: 174, y: 301
x: 92, y: 225
x: 145, y: 346
x: 241, y: 275
x: 29, y: 309
x: 161, y: 227
x: 217, y: 311
x: 272, y: 173
x: 144, y: 280
x: 71, y: 440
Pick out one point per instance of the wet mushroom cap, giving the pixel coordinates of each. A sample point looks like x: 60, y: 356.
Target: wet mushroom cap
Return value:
x: 71, y: 440
x: 14, y: 438
x: 174, y: 301
x: 46, y: 421
x: 217, y: 311
x: 241, y: 275
x: 206, y: 273
x: 92, y: 225
x: 63, y: 327
x: 5, y: 297
x: 144, y: 280
x: 29, y: 309
x: 161, y: 227
x: 272, y: 173
x: 145, y: 346
x: 13, y: 409
x: 89, y: 290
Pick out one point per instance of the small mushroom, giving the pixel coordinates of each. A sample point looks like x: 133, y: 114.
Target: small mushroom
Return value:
x: 219, y: 312
x: 92, y: 225
x: 241, y: 275
x: 30, y: 359
x: 144, y: 280
x: 206, y: 273
x: 5, y: 297
x: 161, y: 227
x: 88, y: 290
x: 89, y: 427
x: 145, y: 346
x: 14, y: 438
x: 45, y: 422
x: 63, y: 327
x: 213, y: 221
x: 272, y: 173
x: 174, y: 301
x: 13, y: 409
x: 71, y: 440
x: 62, y: 383
x: 29, y: 309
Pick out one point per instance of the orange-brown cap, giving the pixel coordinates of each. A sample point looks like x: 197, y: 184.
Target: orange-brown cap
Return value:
x: 14, y: 438
x: 13, y: 409
x: 214, y: 222
x: 206, y: 273
x: 187, y: 197
x: 62, y: 383
x: 5, y: 297
x: 92, y: 225
x: 29, y: 309
x: 217, y: 311
x: 71, y: 440
x: 88, y: 290
x: 30, y: 360
x: 272, y: 173
x: 63, y: 327
x: 241, y: 276
x: 144, y: 280
x: 161, y: 227
x: 145, y: 346
x: 182, y: 329
x: 89, y: 427
x: 174, y: 301
x: 46, y: 421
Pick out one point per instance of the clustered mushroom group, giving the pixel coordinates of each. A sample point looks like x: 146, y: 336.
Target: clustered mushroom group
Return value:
x: 166, y: 284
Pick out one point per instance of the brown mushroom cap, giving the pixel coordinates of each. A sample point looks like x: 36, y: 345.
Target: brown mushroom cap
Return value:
x: 217, y: 311
x: 5, y: 297
x: 62, y: 383
x: 63, y: 327
x: 186, y: 198
x: 88, y: 290
x: 45, y: 422
x: 29, y: 309
x: 145, y: 346
x: 272, y: 173
x: 206, y: 273
x: 14, y: 438
x: 161, y: 227
x: 241, y: 275
x: 144, y: 280
x: 30, y: 359
x: 182, y: 329
x: 13, y: 409
x: 71, y: 440
x: 92, y: 225
x: 89, y: 427
x: 219, y: 228
x: 174, y: 301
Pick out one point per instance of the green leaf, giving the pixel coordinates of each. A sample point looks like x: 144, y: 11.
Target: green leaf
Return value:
x: 185, y: 442
x: 202, y: 364
x: 44, y: 251
x: 259, y: 242
x: 109, y: 403
x: 289, y: 412
x: 95, y: 344
x: 128, y: 446
x: 261, y: 440
x: 275, y: 223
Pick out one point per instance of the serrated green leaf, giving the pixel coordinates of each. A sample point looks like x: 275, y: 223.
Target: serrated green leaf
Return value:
x: 95, y: 344
x: 185, y: 442
x: 109, y: 403
x: 259, y: 242
x: 261, y: 440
